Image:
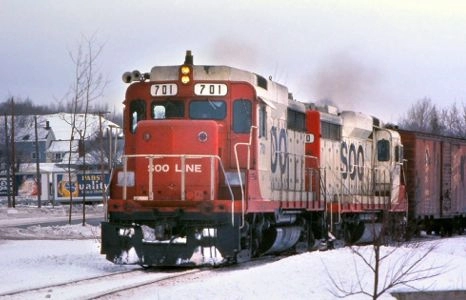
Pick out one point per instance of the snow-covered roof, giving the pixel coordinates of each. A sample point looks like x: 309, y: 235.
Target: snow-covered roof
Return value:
x: 63, y: 146
x: 60, y: 125
x: 25, y: 129
x: 88, y: 126
x: 75, y: 159
x: 43, y: 167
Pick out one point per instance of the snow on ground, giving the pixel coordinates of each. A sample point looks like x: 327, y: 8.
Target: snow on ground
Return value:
x: 307, y: 276
x: 29, y: 258
x: 35, y: 263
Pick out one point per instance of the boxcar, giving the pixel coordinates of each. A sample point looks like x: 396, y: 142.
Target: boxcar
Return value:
x: 435, y: 179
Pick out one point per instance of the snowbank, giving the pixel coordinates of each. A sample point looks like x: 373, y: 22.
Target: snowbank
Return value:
x: 75, y: 253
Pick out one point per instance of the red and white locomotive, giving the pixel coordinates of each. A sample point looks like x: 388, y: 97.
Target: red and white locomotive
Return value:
x: 221, y: 165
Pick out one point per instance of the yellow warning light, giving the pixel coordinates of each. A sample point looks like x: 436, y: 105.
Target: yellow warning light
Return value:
x: 185, y: 79
x: 185, y: 70
x: 185, y: 74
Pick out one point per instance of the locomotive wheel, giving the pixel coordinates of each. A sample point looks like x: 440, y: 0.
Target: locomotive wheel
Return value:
x: 308, y: 243
x: 397, y: 230
x: 348, y: 233
x: 256, y: 233
x: 353, y: 232
x: 311, y: 240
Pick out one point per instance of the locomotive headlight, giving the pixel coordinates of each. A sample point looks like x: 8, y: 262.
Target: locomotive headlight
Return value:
x: 185, y: 79
x: 185, y: 70
x: 185, y: 74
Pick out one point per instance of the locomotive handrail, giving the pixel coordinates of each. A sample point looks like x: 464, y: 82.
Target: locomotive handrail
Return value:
x: 312, y: 171
x: 379, y: 175
x: 248, y: 144
x: 105, y: 193
x: 305, y: 158
x: 182, y: 157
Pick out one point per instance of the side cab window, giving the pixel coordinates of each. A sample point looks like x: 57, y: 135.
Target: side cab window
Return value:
x: 137, y: 113
x: 399, y: 153
x: 296, y: 120
x: 242, y: 116
x: 383, y: 150
x: 262, y: 121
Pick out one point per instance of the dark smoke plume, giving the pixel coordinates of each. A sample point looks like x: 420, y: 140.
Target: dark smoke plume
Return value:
x: 234, y: 52
x: 345, y: 81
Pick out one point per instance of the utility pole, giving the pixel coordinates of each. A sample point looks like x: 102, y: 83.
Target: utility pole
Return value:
x: 112, y: 147
x: 102, y: 168
x: 8, y: 162
x: 13, y: 150
x: 38, y: 176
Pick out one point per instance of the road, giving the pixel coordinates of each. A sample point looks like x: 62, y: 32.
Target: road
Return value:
x: 94, y: 221
x: 22, y: 217
x: 49, y: 223
x: 51, y: 220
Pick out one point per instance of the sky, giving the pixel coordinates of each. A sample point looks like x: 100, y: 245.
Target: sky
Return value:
x: 376, y: 57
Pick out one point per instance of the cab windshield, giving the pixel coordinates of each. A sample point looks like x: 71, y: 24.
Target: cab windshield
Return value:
x: 207, y: 109
x: 167, y: 109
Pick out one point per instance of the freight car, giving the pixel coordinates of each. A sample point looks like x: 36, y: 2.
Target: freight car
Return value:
x: 221, y: 165
x: 435, y: 180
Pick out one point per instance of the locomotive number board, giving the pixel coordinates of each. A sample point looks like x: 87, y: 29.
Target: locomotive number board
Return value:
x: 164, y: 89
x: 210, y: 89
x: 200, y: 89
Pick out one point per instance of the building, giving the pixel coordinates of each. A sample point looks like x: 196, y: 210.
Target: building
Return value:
x: 25, y: 140
x: 64, y: 142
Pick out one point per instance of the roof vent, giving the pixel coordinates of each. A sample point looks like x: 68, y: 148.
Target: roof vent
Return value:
x: 261, y: 82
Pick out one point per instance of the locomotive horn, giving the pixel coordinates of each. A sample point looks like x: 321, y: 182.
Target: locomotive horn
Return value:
x: 127, y: 77
x: 136, y: 75
x: 188, y: 60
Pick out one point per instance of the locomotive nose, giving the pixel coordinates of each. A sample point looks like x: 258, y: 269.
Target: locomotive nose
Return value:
x: 184, y: 158
x: 177, y: 137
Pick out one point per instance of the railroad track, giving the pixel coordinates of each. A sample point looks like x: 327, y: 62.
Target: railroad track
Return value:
x: 200, y: 274
x: 104, y: 286
x: 101, y: 286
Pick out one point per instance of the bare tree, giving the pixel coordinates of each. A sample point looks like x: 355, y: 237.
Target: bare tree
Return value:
x: 463, y: 121
x: 389, y: 267
x: 87, y: 87
x: 419, y: 116
x: 435, y: 124
x: 427, y: 117
x: 25, y: 107
x: 454, y: 121
x: 389, y: 262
